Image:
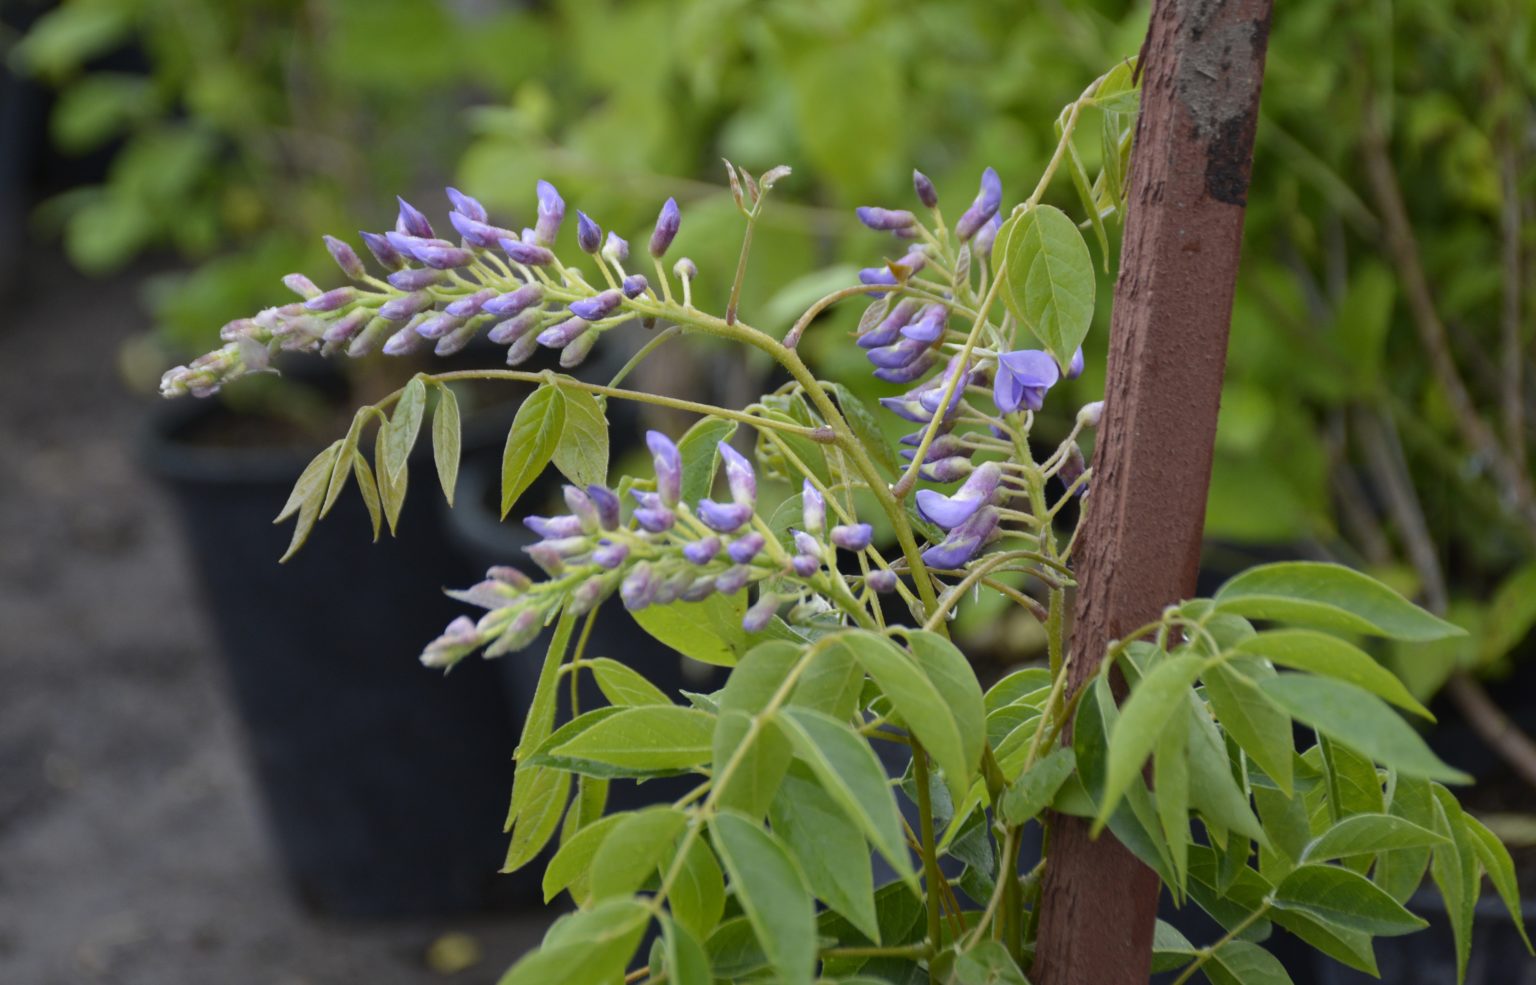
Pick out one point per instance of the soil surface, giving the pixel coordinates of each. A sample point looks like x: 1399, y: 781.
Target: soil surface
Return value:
x: 132, y: 848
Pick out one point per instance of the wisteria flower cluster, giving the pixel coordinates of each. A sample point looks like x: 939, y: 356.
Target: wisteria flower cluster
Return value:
x: 834, y: 607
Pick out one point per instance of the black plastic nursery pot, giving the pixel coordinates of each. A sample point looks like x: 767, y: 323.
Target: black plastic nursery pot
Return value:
x: 385, y: 783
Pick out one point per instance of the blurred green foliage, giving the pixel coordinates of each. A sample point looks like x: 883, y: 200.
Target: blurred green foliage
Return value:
x: 263, y: 122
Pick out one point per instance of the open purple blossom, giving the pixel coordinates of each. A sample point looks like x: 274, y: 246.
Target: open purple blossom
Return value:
x: 963, y: 542
x: 928, y: 326
x: 949, y: 512
x: 1022, y: 379
x: 988, y: 200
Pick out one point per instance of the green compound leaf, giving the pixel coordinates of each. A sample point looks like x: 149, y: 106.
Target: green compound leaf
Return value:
x: 772, y: 894
x: 1329, y: 596
x: 1048, y: 280
x: 531, y: 443
x: 582, y: 453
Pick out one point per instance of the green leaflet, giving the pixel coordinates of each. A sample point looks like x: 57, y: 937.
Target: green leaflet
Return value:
x: 1242, y: 963
x: 581, y: 454
x: 1260, y: 728
x: 446, y: 440
x: 1036, y: 788
x: 1495, y: 860
x: 1139, y: 724
x: 683, y: 957
x: 531, y: 443
x: 772, y: 894
x: 1454, y: 868
x: 623, y: 685
x: 633, y: 849
x: 708, y: 631
x: 650, y: 738
x: 1329, y: 596
x: 1344, y: 897
x: 831, y: 851
x: 1048, y: 281
x: 988, y: 963
x: 1330, y: 656
x: 953, y: 676
x: 403, y: 427
x: 587, y: 946
x: 697, y: 899
x: 1367, y: 834
x: 699, y: 450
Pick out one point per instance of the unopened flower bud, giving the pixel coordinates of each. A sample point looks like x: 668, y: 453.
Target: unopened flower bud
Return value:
x: 805, y: 565
x: 739, y: 475
x: 913, y: 370
x: 415, y: 278
x: 685, y: 269
x: 403, y: 307
x: 444, y: 257
x: 923, y: 185
x: 588, y: 236
x: 669, y: 467
x: 807, y: 544
x: 581, y: 346
x: 546, y: 556
x: 615, y: 248
x: 724, y: 518
x: 530, y: 254
x: 598, y: 306
x: 346, y: 258
x: 1091, y: 414
x: 986, y: 238
x: 560, y: 335
x: 988, y: 200
x: 470, y: 305
x: 1075, y: 367
x: 813, y: 507
x: 852, y: 536
x: 882, y: 580
x: 655, y: 520
x: 635, y: 285
x: 403, y: 342
x: 476, y: 233
x: 301, y: 285
x: 588, y: 594
x: 746, y: 548
x: 332, y: 299
x: 411, y: 221
x: 514, y: 302
x: 513, y: 329
x: 551, y: 214
x: 885, y: 220
x: 609, y: 555
x: 947, y: 470
x: 667, y: 224
x: 457, y: 641
x: 757, y: 618
x: 639, y: 587
x: 509, y: 575
x: 733, y: 579
x: 582, y: 508
x: 698, y: 590
x: 438, y: 326
x: 468, y: 206
x: 386, y: 254
x: 348, y: 325
x: 522, y: 350
x: 702, y: 551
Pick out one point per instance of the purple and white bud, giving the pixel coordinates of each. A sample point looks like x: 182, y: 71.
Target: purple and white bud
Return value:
x: 348, y: 325
x: 702, y: 551
x: 514, y: 302
x: 301, y: 285
x: 588, y: 236
x: 669, y: 467
x: 885, y: 220
x: 762, y: 612
x: 882, y: 580
x: 513, y: 329
x: 635, y: 285
x: 363, y: 342
x: 813, y: 507
x: 943, y: 446
x: 655, y: 520
x: 598, y: 306
x: 581, y: 346
x: 582, y: 508
x: 332, y: 299
x: 457, y: 641
x: 964, y: 541
x: 947, y: 470
x: 914, y: 370
x: 415, y: 278
x: 733, y: 579
x: 852, y: 536
x: 667, y: 224
x: 986, y: 238
x: 639, y: 587
x: 412, y: 221
x: 615, y: 248
x: 923, y: 185
x: 1075, y: 367
x: 404, y: 342
x: 508, y: 575
x: 806, y: 544
x: 698, y: 590
x: 949, y: 512
x: 469, y: 206
x: 563, y: 334
x: 685, y: 269
x: 470, y: 305
x: 988, y: 200
x: 1091, y: 414
x: 588, y: 594
x: 521, y: 630
x: 477, y: 233
x: 551, y: 213
x: 877, y: 276
x: 438, y: 326
x: 608, y: 555
x: 1072, y: 467
x: 346, y: 258
x: 529, y: 254
x: 547, y: 557
x: 522, y: 350
x: 378, y: 245
x: 444, y: 257
x: 739, y: 476
x: 889, y: 328
x: 724, y: 518
x: 805, y: 565
x: 554, y: 527
x: 746, y: 548
x: 405, y: 306
x: 607, y: 503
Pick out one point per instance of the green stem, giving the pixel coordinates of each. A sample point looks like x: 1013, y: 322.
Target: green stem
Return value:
x: 1206, y: 953
x: 900, y: 951
x: 741, y: 266
x: 656, y: 342
x: 931, y: 874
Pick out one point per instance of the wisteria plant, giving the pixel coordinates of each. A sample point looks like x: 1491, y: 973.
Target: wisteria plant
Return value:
x: 838, y: 639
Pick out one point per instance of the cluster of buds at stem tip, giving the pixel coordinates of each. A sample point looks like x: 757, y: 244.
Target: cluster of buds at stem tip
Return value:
x: 665, y: 550
x: 504, y: 284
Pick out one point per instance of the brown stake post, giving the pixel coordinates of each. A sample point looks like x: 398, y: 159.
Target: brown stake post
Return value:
x: 1202, y: 65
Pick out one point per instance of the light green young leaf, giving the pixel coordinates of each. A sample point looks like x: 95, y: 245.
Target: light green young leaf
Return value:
x: 1351, y: 780
x: 308, y: 495
x: 531, y: 443
x: 1015, y: 686
x: 1242, y: 963
x: 342, y: 464
x: 1329, y: 596
x: 683, y: 956
x: 1140, y: 722
x: 759, y: 768
x: 1330, y: 656
x: 634, y: 849
x: 1261, y: 729
x: 1367, y: 834
x: 832, y: 853
x: 538, y: 800
x: 847, y: 768
x: 1400, y: 872
x: 571, y: 867
x: 1170, y: 949
x: 988, y: 963
x: 587, y: 806
x: 1346, y: 898
x: 1084, y: 186
x: 1032, y: 792
x: 1360, y: 720
x: 391, y: 490
x: 652, y: 737
x: 369, y: 490
x: 708, y: 631
x: 1496, y: 861
x: 734, y: 951
x: 403, y: 427
x: 772, y: 894
x: 953, y: 676
x: 623, y: 685
x: 587, y: 946
x: 918, y: 702
x: 1048, y: 280
x: 446, y: 440
x: 582, y: 452
x: 700, y: 452
x: 540, y: 720
x: 697, y: 899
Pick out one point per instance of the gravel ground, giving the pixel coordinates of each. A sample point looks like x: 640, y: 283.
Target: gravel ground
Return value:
x: 132, y: 850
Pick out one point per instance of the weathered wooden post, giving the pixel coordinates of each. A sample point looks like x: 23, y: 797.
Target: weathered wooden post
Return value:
x: 1202, y: 65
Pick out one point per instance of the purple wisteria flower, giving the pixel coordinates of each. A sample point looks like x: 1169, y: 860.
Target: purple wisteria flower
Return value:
x: 669, y: 467
x: 926, y: 193
x: 948, y: 512
x: 957, y: 549
x: 739, y: 476
x: 1022, y: 379
x: 551, y: 213
x: 851, y: 536
x: 588, y: 235
x: 667, y: 225
x: 886, y: 220
x: 813, y: 507
x: 599, y: 306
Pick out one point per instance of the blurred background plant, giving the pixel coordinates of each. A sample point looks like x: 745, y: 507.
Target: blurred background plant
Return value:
x: 1379, y: 401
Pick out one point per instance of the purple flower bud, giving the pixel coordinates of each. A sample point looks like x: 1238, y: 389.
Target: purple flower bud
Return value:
x: 588, y: 595
x: 332, y: 299
x: 457, y: 641
x: 554, y: 527
x: 877, y: 275
x: 733, y: 579
x: 529, y: 254
x: 403, y: 307
x: 598, y: 306
x: 551, y: 214
x: 546, y: 556
x: 581, y: 346
x: 757, y: 618
x: 404, y: 342
x: 438, y: 326
x: 813, y: 507
x: 669, y: 467
x: 519, y: 632
x: 301, y: 285
x: 657, y: 520
x: 923, y: 185
x: 739, y: 475
x: 562, y: 334
x: 582, y: 507
x: 951, y: 511
x: 444, y: 257
x: 468, y: 206
x: 889, y: 328
x: 746, y: 548
x: 885, y: 220
x: 609, y: 555
x: 668, y: 590
x: 363, y: 342
x: 635, y: 285
x: 639, y: 587
x: 685, y: 269
x: 986, y: 238
x: 411, y: 221
x: 963, y: 542
x: 667, y: 224
x: 988, y: 200
x: 415, y: 278
x: 456, y: 340
x: 901, y: 354
x: 908, y: 408
x: 805, y: 565
x: 724, y: 518
x: 947, y: 470
x: 928, y: 327
x: 702, y: 551
x: 466, y: 306
x: 513, y: 329
x: 509, y: 575
x: 807, y: 544
x: 378, y: 245
x: 476, y: 233
x: 911, y: 371
x: 1022, y: 379
x: 344, y: 328
x: 882, y: 580
x: 607, y: 504
x: 944, y: 446
x: 615, y: 248
x: 346, y: 258
x: 698, y: 590
x: 852, y: 536
x: 1072, y: 468
x: 514, y: 302
x: 588, y: 236
x: 522, y: 350
x: 1075, y: 367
